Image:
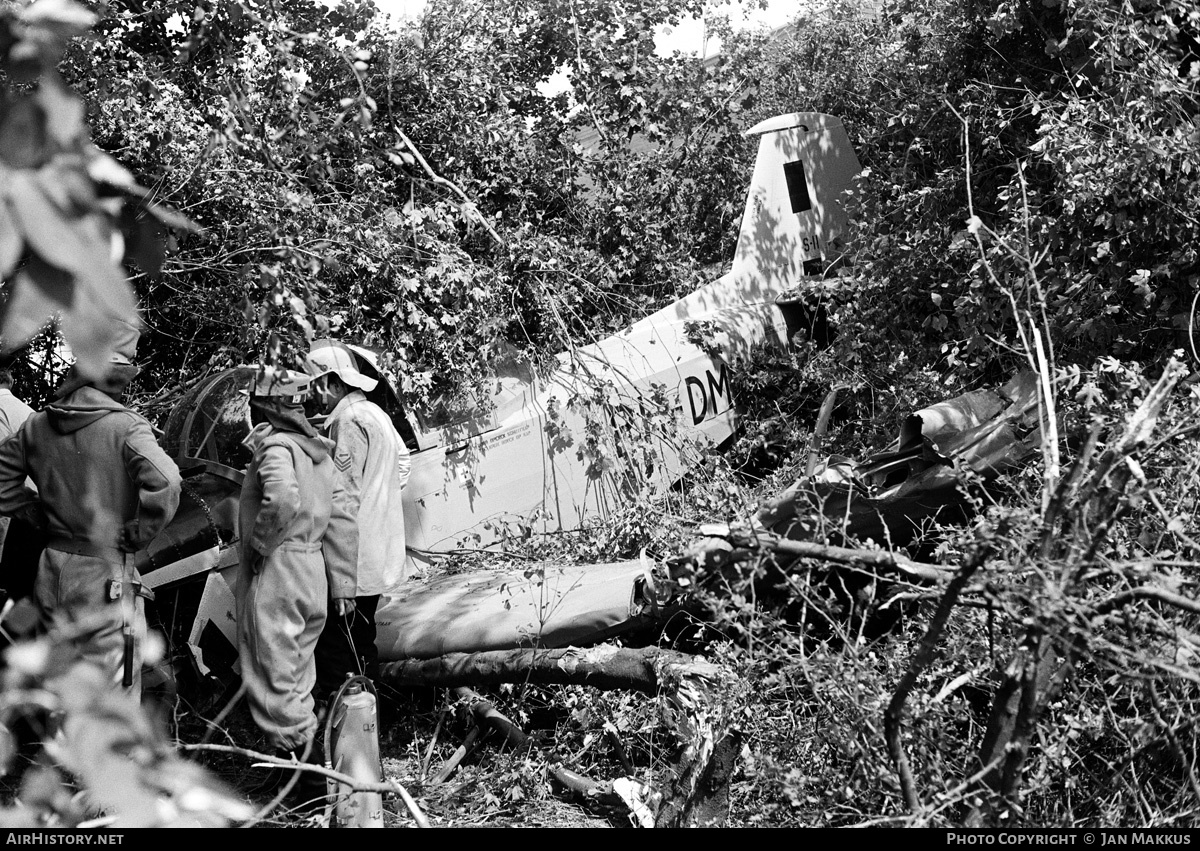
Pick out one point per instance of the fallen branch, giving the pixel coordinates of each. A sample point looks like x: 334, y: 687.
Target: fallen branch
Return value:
x: 723, y: 544
x: 618, y: 747
x: 647, y: 670
x: 814, y: 442
x: 487, y: 715
x: 458, y: 756
x: 699, y: 702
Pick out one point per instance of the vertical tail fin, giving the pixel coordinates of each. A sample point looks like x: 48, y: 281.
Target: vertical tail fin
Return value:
x: 793, y: 210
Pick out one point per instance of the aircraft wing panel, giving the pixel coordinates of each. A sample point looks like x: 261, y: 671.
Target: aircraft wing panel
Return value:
x: 540, y: 606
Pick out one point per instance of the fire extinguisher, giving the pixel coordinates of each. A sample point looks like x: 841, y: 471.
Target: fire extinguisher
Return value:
x: 352, y: 748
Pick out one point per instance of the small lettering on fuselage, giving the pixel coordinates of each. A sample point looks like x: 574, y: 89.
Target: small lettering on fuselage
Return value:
x: 709, y: 396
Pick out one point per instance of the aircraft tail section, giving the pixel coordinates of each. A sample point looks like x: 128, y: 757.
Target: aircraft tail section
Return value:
x: 793, y: 209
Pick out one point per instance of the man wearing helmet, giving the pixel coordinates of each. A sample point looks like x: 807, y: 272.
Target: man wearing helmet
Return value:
x: 105, y: 489
x: 374, y: 464
x: 298, y: 546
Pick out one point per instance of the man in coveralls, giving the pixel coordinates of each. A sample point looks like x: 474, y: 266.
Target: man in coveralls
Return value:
x: 105, y: 489
x: 291, y: 505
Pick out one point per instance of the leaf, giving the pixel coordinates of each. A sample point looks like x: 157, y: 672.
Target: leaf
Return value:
x: 103, y: 306
x: 63, y: 112
x: 38, y: 292
x: 23, y: 140
x: 66, y: 186
x: 101, y: 301
x: 171, y: 218
x: 55, y: 237
x: 104, y: 169
x: 11, y: 243
x: 64, y: 16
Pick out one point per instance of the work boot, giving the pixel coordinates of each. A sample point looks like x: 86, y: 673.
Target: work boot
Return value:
x: 309, y: 793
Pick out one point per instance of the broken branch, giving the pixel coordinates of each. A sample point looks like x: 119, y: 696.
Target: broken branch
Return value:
x: 438, y: 180
x: 705, y: 552
x: 605, y: 667
x: 699, y: 702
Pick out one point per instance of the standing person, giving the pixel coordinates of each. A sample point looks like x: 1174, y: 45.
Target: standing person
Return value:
x: 19, y: 554
x: 291, y: 506
x: 13, y: 411
x: 104, y: 489
x: 374, y: 465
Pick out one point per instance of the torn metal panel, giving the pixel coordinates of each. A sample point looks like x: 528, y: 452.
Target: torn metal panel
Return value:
x: 204, y: 523
x: 212, y: 640
x: 892, y: 495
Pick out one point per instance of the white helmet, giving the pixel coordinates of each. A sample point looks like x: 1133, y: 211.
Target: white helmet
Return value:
x: 287, y: 384
x: 336, y: 358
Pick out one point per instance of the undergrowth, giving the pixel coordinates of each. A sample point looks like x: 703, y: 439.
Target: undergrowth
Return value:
x: 823, y: 649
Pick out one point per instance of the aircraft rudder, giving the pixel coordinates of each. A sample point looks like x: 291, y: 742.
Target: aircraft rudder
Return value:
x: 793, y: 205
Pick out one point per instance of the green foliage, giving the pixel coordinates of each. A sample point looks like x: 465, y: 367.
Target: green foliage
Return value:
x: 67, y: 210
x: 416, y: 189
x: 1066, y: 130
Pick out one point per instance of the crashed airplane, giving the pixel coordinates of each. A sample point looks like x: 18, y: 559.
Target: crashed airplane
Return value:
x: 522, y: 455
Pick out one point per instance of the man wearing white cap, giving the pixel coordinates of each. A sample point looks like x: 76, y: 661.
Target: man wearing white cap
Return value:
x: 374, y: 464
x: 105, y: 489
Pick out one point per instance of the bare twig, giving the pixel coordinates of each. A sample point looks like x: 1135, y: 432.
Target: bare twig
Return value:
x: 894, y: 714
x: 1145, y: 592
x: 458, y: 756
x: 418, y: 816
x: 215, y: 724
x: 266, y: 760
x: 432, y: 742
x: 438, y: 180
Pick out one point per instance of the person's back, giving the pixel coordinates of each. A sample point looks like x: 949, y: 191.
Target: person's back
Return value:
x: 13, y: 411
x: 293, y: 514
x: 101, y: 476
x: 105, y: 489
